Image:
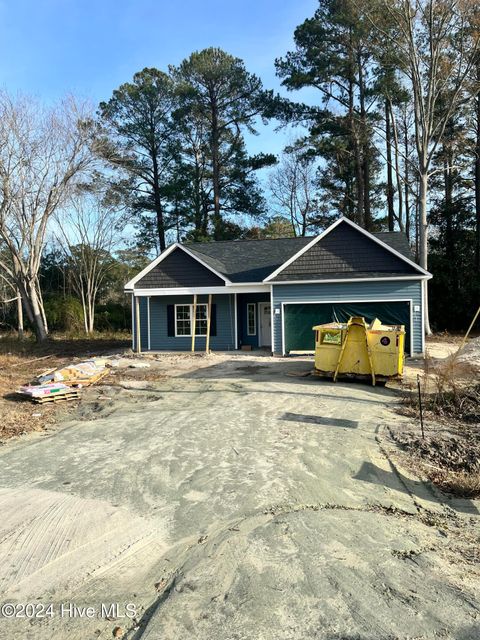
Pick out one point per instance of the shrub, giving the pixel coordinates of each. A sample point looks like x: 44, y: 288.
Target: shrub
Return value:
x: 112, y: 317
x: 64, y: 314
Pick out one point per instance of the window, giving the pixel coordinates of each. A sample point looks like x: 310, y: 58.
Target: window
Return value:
x: 201, y: 319
x: 183, y: 319
x: 251, y: 319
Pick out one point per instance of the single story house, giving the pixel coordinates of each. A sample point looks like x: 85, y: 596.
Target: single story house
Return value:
x: 270, y: 293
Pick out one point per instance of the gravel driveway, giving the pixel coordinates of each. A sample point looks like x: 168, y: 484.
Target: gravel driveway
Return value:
x: 236, y: 500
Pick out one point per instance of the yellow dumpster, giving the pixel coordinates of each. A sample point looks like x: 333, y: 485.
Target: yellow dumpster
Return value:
x: 356, y: 349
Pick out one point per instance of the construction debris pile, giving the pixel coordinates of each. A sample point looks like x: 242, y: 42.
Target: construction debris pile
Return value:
x: 64, y: 383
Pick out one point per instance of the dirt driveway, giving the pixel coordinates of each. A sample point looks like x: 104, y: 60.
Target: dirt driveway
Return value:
x: 231, y: 500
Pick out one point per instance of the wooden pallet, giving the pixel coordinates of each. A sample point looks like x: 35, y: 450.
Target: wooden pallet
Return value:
x: 54, y: 397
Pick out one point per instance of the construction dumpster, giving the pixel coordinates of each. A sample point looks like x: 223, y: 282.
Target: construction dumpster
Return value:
x: 357, y: 349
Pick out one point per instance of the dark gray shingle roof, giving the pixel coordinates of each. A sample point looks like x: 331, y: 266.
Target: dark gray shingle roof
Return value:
x: 247, y: 260
x: 254, y: 260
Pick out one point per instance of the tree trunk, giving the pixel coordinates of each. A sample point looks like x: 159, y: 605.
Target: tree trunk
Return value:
x: 357, y: 164
x: 397, y: 168
x: 407, y: 180
x: 20, y: 315
x: 359, y: 184
x: 448, y: 211
x: 422, y: 218
x: 217, y: 216
x: 197, y: 201
x: 477, y: 180
x: 417, y: 223
x: 158, y: 203
x: 388, y: 141
x: 365, y: 147
x: 91, y: 316
x: 38, y: 321
x: 423, y: 237
x: 367, y: 209
x: 85, y: 316
x: 41, y: 305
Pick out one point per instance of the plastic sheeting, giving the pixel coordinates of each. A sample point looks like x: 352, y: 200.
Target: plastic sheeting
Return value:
x: 300, y: 318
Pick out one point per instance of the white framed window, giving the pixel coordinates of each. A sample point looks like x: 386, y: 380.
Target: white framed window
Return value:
x: 251, y: 319
x: 183, y: 320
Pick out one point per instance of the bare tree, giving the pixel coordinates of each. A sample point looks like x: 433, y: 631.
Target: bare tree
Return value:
x: 9, y: 293
x: 293, y: 190
x: 43, y: 153
x: 437, y: 43
x: 89, y: 233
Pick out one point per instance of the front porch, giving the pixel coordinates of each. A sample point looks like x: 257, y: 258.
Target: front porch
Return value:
x: 167, y: 322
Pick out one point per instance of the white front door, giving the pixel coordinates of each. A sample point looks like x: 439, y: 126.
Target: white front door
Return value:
x: 265, y: 336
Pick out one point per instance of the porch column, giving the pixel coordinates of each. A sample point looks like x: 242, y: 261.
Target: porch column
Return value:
x: 235, y: 311
x: 194, y: 320
x: 138, y: 340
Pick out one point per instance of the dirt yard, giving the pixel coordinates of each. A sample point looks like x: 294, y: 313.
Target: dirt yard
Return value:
x: 448, y: 452
x: 20, y: 362
x: 232, y: 496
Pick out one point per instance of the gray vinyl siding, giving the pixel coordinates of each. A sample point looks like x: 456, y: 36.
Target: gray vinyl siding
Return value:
x: 354, y: 291
x: 161, y: 341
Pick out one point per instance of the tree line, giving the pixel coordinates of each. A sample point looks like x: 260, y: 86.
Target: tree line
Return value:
x: 392, y: 141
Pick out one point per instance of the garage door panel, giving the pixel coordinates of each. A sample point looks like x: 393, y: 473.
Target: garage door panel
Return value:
x: 301, y: 317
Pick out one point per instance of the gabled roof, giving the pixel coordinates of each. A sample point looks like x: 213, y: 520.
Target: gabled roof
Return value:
x: 344, y: 255
x: 346, y: 251
x: 170, y: 250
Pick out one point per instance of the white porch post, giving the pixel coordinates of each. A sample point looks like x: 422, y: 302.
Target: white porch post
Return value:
x: 236, y: 320
x: 272, y: 318
x: 138, y: 340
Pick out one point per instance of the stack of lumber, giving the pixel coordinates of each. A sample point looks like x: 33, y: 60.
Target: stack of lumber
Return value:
x: 82, y: 374
x: 63, y: 384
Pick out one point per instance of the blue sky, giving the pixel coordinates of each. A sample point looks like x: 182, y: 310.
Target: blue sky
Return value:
x: 53, y: 47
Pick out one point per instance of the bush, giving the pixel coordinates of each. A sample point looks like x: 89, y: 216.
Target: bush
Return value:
x: 64, y: 314
x: 112, y: 317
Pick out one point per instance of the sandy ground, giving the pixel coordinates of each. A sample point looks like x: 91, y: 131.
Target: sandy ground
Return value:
x: 229, y: 497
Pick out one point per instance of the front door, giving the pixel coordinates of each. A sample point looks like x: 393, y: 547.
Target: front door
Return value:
x: 265, y: 337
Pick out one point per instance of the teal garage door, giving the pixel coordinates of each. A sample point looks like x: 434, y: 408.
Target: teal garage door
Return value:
x: 301, y: 317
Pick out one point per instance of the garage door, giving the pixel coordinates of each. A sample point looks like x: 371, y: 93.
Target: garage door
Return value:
x: 300, y: 318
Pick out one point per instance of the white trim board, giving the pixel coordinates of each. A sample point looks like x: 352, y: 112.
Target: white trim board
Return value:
x: 182, y: 291
x: 409, y: 300
x: 358, y: 228
x: 131, y: 283
x: 277, y: 283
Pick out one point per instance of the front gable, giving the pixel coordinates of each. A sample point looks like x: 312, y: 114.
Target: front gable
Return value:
x: 178, y: 269
x: 345, y: 252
